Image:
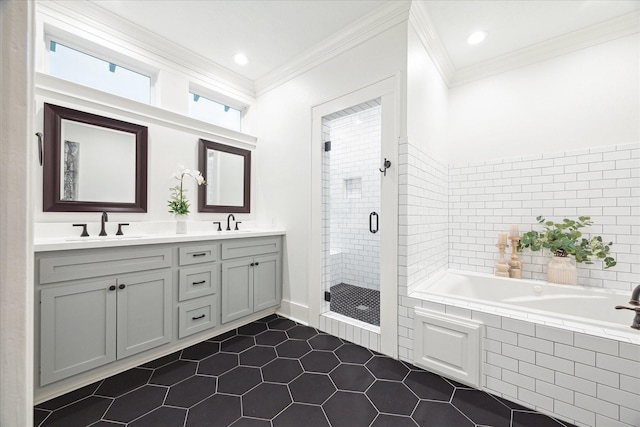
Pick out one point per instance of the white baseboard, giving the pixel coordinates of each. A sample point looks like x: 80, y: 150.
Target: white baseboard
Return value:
x: 294, y: 311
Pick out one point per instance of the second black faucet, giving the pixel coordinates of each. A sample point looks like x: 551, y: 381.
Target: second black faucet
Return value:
x: 105, y: 218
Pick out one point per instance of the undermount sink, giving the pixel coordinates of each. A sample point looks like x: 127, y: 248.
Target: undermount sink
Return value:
x: 101, y: 238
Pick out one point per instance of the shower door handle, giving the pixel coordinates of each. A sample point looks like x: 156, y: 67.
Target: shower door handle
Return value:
x: 371, y: 216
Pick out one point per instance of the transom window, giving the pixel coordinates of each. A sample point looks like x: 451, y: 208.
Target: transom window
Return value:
x: 207, y: 110
x: 79, y: 67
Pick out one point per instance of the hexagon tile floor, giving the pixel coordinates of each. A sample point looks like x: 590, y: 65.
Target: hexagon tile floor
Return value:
x: 275, y: 372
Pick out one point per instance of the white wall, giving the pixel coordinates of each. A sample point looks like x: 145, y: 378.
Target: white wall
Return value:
x: 588, y: 98
x: 16, y: 248
x: 427, y: 100
x: 283, y: 154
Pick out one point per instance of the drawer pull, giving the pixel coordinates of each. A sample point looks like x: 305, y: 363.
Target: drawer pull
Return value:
x: 201, y: 282
x: 122, y: 286
x: 198, y: 254
x: 198, y: 317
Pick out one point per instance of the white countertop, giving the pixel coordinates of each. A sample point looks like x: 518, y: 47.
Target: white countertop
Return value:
x: 45, y: 244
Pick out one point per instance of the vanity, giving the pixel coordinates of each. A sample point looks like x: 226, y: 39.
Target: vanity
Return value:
x: 104, y: 306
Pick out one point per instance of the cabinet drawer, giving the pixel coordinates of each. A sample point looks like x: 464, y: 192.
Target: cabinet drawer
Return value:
x: 188, y: 255
x: 197, y: 316
x: 80, y: 266
x: 198, y: 281
x: 250, y: 247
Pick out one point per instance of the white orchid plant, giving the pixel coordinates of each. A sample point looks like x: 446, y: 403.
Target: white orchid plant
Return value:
x: 178, y: 204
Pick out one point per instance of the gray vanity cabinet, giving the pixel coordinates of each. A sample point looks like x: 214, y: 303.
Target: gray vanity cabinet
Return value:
x: 89, y: 324
x: 251, y: 277
x: 95, y: 308
x: 198, y: 282
x: 143, y: 312
x: 89, y: 318
x: 78, y: 329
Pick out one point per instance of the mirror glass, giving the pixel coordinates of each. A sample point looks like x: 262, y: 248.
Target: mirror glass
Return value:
x: 89, y: 156
x: 227, y: 171
x: 93, y: 163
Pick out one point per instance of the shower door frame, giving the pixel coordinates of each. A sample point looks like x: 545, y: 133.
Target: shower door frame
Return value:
x: 388, y: 91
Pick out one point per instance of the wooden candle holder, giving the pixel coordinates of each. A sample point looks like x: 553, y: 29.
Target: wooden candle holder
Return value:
x: 502, y: 268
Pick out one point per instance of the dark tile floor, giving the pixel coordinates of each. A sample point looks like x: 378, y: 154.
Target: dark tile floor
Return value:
x: 356, y: 302
x: 275, y: 372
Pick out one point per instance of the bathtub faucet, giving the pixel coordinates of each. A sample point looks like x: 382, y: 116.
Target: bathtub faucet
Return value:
x: 635, y: 296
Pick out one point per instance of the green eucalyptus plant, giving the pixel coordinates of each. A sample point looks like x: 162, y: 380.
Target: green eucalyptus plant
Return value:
x: 565, y: 238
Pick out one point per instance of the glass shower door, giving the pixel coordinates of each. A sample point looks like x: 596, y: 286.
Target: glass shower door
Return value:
x: 351, y: 183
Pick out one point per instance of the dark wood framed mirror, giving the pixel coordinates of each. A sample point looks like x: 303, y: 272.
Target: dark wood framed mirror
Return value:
x: 227, y: 172
x: 93, y: 163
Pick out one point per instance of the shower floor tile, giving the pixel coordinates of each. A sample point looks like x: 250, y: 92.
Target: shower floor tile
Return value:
x: 277, y: 373
x: 356, y: 302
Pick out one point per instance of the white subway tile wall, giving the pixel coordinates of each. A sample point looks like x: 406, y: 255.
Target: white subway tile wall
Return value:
x: 423, y: 216
x: 459, y: 209
x: 603, y: 183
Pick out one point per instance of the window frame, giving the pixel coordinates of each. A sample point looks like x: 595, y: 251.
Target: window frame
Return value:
x: 195, y: 89
x: 102, y: 53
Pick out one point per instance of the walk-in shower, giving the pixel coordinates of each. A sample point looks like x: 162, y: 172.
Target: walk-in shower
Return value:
x: 351, y: 179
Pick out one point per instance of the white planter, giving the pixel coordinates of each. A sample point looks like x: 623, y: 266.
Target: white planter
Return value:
x: 561, y: 270
x: 181, y: 224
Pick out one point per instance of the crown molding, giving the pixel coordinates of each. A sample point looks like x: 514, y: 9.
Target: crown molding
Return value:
x: 102, y: 24
x: 421, y: 23
x: 378, y: 21
x: 613, y: 29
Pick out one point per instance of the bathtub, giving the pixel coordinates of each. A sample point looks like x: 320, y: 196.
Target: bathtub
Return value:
x: 562, y: 350
x: 576, y: 307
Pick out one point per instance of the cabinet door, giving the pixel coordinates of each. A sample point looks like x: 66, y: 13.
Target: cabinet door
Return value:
x: 77, y: 329
x: 237, y: 290
x: 267, y: 282
x: 144, y: 312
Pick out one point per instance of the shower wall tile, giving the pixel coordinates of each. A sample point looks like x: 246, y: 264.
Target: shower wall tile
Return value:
x: 604, y: 183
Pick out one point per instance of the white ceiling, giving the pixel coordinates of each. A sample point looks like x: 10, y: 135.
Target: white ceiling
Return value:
x: 272, y: 33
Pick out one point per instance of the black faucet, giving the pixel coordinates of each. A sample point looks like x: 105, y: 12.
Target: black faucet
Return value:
x: 104, y: 219
x: 229, y: 218
x: 634, y: 301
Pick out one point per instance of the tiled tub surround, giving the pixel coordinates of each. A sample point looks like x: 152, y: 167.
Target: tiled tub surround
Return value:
x: 575, y: 376
x: 449, y: 218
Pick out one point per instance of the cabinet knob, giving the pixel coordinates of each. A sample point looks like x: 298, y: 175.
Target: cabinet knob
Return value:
x: 257, y: 263
x: 112, y: 287
x: 122, y: 286
x: 252, y: 264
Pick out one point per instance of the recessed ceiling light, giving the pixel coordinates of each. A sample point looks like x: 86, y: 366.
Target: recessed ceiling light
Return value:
x: 477, y: 37
x: 240, y: 59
